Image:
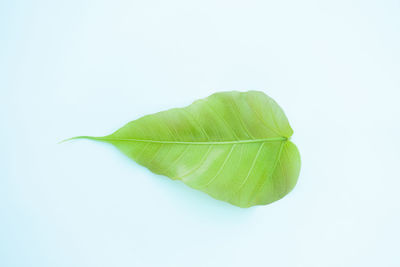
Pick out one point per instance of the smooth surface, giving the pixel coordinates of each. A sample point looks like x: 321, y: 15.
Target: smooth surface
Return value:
x: 234, y: 146
x: 77, y: 67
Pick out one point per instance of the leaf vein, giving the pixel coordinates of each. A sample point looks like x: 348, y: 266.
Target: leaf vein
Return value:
x: 221, y: 168
x: 257, y: 190
x: 201, y: 162
x: 272, y: 139
x: 196, y: 122
x: 251, y: 168
x: 227, y: 125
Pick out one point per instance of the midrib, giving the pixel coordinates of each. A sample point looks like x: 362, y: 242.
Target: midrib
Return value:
x: 272, y: 139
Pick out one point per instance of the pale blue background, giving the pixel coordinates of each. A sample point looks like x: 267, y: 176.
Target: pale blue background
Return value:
x: 87, y: 67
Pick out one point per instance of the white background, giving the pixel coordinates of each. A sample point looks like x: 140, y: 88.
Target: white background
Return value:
x: 88, y: 67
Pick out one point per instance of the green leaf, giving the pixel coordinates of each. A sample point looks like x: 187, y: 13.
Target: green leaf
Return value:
x: 233, y: 146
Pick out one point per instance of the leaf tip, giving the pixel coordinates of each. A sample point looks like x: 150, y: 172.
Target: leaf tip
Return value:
x: 77, y: 137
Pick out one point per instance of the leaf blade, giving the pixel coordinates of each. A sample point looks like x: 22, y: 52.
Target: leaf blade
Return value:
x: 233, y: 146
